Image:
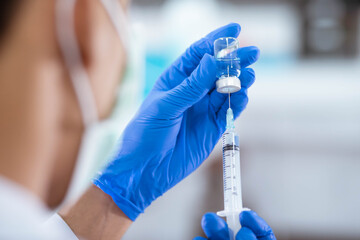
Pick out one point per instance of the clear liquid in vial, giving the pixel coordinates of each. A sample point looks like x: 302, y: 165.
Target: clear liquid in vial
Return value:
x: 228, y: 67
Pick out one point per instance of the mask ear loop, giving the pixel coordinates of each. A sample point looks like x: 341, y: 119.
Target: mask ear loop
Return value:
x: 65, y: 28
x: 119, y: 20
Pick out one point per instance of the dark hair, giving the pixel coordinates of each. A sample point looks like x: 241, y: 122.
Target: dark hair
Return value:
x: 7, y: 12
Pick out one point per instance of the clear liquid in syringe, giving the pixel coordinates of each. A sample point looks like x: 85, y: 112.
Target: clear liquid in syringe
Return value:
x: 231, y: 168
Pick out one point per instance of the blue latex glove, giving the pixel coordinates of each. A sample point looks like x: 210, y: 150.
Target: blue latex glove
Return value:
x: 253, y: 227
x: 176, y: 127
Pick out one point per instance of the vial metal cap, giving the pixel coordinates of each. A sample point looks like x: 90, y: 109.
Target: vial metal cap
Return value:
x: 228, y: 84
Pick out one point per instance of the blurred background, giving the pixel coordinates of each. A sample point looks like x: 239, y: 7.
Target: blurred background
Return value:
x: 300, y: 134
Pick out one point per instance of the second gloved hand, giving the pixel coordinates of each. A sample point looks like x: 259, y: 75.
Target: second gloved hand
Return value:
x: 253, y: 227
x: 176, y: 127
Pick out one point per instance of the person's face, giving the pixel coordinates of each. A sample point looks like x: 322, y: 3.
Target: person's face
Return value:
x: 104, y: 57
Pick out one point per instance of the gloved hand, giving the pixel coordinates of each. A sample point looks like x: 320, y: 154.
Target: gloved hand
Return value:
x: 253, y: 227
x: 176, y: 127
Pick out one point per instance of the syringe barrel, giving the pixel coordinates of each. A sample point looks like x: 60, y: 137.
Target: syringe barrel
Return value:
x: 231, y: 171
x: 232, y: 179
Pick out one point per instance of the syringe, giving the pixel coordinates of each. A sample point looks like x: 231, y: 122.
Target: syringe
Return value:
x: 231, y: 176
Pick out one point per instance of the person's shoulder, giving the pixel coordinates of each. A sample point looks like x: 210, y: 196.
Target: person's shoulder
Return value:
x: 23, y: 216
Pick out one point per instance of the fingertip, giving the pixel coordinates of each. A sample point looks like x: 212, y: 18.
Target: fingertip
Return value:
x: 213, y: 225
x: 239, y: 98
x: 208, y: 215
x: 244, y: 215
x: 251, y: 71
x: 229, y: 30
x: 254, y: 53
x: 211, y: 219
x: 253, y: 221
x: 245, y: 234
x: 247, y: 77
x: 248, y: 55
x: 235, y: 27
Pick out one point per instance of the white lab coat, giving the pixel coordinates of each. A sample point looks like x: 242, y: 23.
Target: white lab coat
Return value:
x: 24, y: 216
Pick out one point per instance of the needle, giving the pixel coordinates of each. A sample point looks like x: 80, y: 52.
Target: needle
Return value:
x: 229, y: 99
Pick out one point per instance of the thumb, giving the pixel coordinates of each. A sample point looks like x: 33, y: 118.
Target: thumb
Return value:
x: 252, y: 221
x: 214, y: 227
x: 193, y: 88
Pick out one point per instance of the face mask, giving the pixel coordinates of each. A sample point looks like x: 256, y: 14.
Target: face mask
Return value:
x: 65, y: 10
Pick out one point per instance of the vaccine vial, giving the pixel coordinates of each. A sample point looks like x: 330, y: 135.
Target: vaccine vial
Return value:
x: 227, y: 65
